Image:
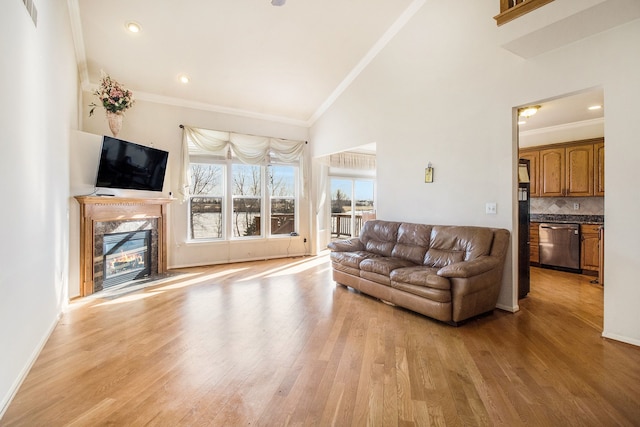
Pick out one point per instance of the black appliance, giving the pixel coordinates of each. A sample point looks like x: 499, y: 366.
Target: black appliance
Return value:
x: 524, y: 243
x: 127, y: 165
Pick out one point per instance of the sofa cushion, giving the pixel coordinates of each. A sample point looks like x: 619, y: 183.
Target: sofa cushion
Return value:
x: 351, y: 259
x: 375, y: 277
x: 413, y: 242
x: 345, y: 269
x: 420, y: 276
x: 384, y: 265
x: 432, y: 294
x: 379, y: 237
x: 450, y: 244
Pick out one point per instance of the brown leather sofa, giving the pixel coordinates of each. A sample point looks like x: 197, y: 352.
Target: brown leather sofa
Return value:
x: 449, y: 273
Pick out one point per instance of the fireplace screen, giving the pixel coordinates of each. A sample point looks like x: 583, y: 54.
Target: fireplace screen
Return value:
x: 126, y: 257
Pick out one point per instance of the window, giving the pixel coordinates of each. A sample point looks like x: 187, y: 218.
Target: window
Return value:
x: 240, y: 186
x: 247, y: 200
x: 282, y: 190
x: 206, y: 204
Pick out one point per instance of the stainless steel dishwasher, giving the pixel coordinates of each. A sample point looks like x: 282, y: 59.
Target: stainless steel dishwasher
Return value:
x: 560, y: 245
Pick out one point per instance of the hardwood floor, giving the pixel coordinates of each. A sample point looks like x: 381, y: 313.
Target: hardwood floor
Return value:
x: 278, y: 343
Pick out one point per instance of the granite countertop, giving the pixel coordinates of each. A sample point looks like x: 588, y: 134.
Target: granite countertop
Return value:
x: 565, y: 219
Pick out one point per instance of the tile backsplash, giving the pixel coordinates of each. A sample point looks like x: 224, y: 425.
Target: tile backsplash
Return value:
x: 565, y: 205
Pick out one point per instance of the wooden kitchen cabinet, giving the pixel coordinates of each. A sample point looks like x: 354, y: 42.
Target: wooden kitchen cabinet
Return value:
x: 598, y: 169
x: 579, y: 171
x: 573, y: 169
x: 534, y: 160
x: 534, y: 243
x: 552, y: 172
x: 590, y: 247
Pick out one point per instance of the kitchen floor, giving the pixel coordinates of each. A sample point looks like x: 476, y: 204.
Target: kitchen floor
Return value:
x: 569, y: 291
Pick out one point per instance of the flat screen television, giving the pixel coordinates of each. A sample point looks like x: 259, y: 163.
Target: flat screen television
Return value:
x: 130, y: 166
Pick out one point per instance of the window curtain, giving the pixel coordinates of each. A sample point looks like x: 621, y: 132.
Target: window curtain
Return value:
x: 247, y: 148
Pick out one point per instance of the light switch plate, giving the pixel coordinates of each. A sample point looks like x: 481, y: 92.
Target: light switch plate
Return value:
x: 491, y: 208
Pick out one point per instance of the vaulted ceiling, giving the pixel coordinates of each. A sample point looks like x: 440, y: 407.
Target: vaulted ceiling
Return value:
x: 243, y: 56
x: 247, y: 57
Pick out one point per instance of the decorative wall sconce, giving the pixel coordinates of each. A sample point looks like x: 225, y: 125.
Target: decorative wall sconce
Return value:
x: 428, y: 173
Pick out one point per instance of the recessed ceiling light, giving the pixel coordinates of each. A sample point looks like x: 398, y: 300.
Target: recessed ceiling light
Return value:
x: 528, y: 111
x: 521, y: 122
x: 133, y: 27
x: 184, y: 79
x: 595, y: 107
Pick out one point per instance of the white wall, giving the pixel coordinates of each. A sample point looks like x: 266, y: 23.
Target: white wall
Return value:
x: 443, y: 91
x: 151, y: 123
x: 38, y: 82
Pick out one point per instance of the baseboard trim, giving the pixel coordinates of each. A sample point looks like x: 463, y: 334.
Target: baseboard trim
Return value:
x: 8, y: 398
x: 621, y: 338
x: 204, y: 264
x: 511, y: 309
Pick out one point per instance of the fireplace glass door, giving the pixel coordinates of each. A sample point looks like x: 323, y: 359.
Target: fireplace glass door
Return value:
x: 126, y: 257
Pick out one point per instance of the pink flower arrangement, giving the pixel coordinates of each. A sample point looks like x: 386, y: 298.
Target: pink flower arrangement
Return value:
x: 113, y: 96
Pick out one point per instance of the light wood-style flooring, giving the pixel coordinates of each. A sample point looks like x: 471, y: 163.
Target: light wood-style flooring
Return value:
x: 278, y: 343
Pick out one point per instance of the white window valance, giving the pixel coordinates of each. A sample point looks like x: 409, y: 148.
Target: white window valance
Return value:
x: 249, y: 149
x: 350, y: 160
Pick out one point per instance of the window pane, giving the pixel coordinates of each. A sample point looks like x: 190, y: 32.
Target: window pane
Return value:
x: 247, y: 200
x: 283, y: 215
x: 247, y: 180
x: 364, y: 196
x: 206, y: 217
x: 206, y: 179
x: 206, y: 213
x: 341, y: 207
x: 282, y: 181
x: 282, y: 187
x: 246, y: 216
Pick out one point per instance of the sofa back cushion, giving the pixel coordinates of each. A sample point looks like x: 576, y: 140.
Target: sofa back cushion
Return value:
x: 379, y: 237
x: 450, y: 244
x: 413, y: 242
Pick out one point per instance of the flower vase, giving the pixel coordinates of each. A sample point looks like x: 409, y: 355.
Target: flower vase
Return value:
x: 115, y: 122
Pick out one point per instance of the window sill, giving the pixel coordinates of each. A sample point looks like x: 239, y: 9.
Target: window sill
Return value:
x: 240, y: 240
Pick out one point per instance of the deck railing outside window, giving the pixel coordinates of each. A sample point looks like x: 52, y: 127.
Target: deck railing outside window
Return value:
x: 341, y: 224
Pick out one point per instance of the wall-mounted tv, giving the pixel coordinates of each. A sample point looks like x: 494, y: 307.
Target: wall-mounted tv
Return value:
x: 131, y: 166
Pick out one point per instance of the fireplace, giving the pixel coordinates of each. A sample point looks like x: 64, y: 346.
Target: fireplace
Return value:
x: 124, y: 250
x: 121, y: 239
x: 126, y: 257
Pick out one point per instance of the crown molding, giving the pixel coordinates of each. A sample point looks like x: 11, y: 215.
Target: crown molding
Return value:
x: 78, y: 42
x: 563, y: 127
x: 202, y: 106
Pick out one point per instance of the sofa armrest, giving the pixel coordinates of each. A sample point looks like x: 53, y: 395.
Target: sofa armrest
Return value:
x: 472, y: 268
x: 349, y: 245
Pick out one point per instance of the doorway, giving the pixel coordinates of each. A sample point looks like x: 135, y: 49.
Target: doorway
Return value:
x: 576, y: 118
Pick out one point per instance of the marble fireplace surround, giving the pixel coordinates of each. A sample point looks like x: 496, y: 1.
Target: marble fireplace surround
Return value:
x: 95, y: 210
